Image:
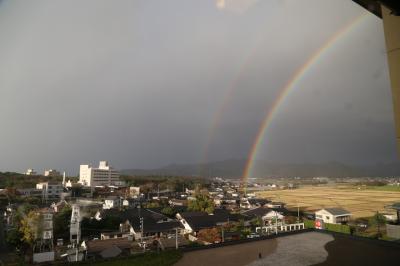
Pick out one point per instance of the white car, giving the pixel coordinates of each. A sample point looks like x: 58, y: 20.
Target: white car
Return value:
x: 253, y: 235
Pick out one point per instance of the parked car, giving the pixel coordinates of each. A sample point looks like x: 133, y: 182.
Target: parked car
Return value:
x: 362, y: 225
x: 253, y: 235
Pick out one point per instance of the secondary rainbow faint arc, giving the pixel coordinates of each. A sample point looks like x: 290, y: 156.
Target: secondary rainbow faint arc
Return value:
x: 290, y: 85
x: 228, y: 96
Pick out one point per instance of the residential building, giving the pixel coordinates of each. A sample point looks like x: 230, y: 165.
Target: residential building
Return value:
x: 178, y: 202
x: 68, y: 184
x: 193, y: 222
x: 58, y: 206
x: 155, y: 224
x: 250, y: 203
x: 112, y: 202
x: 109, y: 248
x: 275, y: 205
x: 104, y: 175
x: 43, y: 250
x: 30, y: 192
x: 30, y: 171
x: 333, y: 215
x: 52, y: 173
x: 116, y: 234
x: 132, y: 202
x: 267, y: 215
x: 134, y: 192
x: 50, y: 189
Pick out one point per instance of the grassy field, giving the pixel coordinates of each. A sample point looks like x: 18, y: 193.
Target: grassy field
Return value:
x: 360, y: 202
x: 384, y: 188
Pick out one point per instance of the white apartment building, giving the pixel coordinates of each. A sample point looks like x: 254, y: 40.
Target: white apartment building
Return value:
x: 104, y: 175
x: 50, y: 189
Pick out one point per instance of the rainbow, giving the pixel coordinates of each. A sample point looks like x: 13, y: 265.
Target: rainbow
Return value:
x: 227, y: 99
x: 289, y: 86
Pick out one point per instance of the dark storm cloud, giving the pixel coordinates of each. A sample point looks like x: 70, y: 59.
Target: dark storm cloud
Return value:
x: 139, y: 82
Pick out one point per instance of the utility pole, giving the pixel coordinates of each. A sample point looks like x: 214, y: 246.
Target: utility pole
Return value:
x: 298, y: 212
x: 75, y: 230
x: 141, y: 234
x: 176, y: 238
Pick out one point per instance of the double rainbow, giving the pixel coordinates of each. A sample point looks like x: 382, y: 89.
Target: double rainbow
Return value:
x: 289, y: 87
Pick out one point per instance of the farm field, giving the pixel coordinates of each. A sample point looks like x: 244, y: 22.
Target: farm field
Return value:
x: 360, y: 202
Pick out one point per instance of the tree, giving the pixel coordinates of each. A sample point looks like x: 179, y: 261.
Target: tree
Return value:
x: 14, y: 237
x: 201, y: 203
x: 378, y: 220
x: 240, y: 227
x: 153, y: 204
x: 256, y: 222
x: 11, y: 192
x: 30, y: 227
x: 168, y: 211
x: 61, y: 222
x: 209, y: 235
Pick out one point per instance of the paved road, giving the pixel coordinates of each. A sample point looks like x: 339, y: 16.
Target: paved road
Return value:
x: 235, y: 255
x: 310, y: 248
x: 301, y: 249
x: 298, y: 250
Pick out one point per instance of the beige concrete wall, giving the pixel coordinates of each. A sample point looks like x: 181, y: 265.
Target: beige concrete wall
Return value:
x: 391, y: 25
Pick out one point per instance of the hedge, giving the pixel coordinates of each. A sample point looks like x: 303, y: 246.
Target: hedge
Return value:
x: 309, y: 223
x: 341, y: 228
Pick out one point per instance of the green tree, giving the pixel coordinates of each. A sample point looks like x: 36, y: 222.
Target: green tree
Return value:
x: 257, y: 221
x: 201, y: 203
x: 240, y: 227
x: 61, y: 222
x: 153, y: 204
x: 30, y: 227
x: 378, y: 220
x: 168, y: 211
x: 14, y: 237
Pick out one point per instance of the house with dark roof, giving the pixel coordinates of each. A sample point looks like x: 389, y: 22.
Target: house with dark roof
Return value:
x: 193, y: 222
x: 109, y: 248
x: 333, y: 215
x: 266, y: 214
x: 250, y: 203
x: 155, y: 224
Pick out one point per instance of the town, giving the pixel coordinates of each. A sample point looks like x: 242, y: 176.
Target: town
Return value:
x: 201, y: 133
x: 103, y: 214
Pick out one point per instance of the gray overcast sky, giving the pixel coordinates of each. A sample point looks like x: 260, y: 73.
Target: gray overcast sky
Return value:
x: 138, y: 83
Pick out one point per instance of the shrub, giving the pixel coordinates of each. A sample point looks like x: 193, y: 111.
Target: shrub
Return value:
x: 309, y: 224
x: 341, y: 228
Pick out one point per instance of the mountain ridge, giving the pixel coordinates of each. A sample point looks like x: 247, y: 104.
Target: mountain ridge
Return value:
x: 234, y: 168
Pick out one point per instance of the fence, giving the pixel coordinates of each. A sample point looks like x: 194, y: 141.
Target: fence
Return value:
x: 280, y: 228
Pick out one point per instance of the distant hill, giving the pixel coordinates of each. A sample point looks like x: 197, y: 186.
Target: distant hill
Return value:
x: 18, y: 180
x: 235, y: 168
